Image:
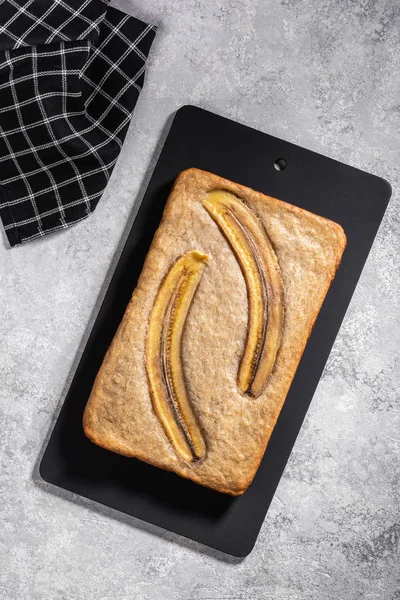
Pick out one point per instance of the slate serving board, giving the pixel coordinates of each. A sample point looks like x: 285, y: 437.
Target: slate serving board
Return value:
x: 353, y: 198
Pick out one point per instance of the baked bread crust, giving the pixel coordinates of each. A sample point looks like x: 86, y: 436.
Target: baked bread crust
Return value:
x: 119, y: 415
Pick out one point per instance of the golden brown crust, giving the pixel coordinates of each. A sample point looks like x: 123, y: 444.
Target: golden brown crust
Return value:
x: 119, y: 414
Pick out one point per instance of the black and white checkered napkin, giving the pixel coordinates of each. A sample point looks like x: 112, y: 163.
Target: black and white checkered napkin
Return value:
x: 70, y: 74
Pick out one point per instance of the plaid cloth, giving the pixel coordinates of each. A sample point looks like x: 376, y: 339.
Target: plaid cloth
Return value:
x: 70, y: 74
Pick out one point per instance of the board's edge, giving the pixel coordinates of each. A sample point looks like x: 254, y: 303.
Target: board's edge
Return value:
x: 188, y: 108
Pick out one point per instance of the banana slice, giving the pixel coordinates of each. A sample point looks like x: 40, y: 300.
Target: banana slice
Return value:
x: 258, y: 262
x: 163, y: 355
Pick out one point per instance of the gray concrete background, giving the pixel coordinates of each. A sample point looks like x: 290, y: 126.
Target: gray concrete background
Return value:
x: 325, y: 75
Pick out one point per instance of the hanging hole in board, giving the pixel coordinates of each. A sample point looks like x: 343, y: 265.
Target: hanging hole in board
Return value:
x: 280, y: 164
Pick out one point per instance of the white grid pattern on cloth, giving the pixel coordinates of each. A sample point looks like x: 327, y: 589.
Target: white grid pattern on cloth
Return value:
x: 65, y: 114
x: 45, y: 18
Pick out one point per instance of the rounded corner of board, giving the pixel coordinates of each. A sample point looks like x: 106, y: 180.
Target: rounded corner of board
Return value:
x: 42, y: 471
x: 186, y: 108
x: 388, y: 187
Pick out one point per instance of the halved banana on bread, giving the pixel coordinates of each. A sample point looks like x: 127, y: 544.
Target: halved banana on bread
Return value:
x: 259, y: 264
x: 163, y: 355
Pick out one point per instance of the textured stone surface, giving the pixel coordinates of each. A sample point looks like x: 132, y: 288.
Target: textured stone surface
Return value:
x: 322, y: 74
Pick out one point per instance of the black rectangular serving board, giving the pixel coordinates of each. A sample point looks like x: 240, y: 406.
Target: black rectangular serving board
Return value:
x: 353, y: 198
